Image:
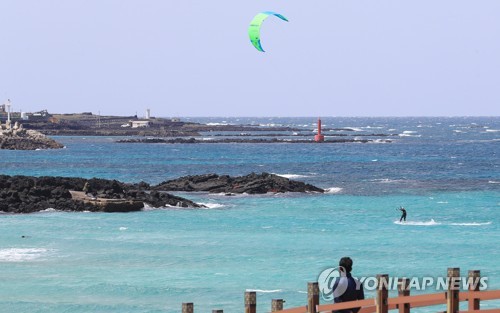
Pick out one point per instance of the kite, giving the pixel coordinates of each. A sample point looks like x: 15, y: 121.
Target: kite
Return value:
x: 254, y: 29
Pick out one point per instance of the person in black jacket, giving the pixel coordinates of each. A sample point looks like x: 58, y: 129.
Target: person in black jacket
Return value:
x: 347, y: 288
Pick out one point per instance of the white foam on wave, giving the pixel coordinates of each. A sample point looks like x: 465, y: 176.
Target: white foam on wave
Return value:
x: 334, y: 190
x: 291, y: 176
x: 493, y: 182
x: 22, y: 254
x: 167, y: 206
x: 442, y: 202
x: 493, y: 130
x: 471, y: 224
x: 265, y: 291
x: 212, y: 205
x: 217, y: 124
x: 356, y: 129
x: 49, y: 210
x: 123, y: 228
x: 432, y: 222
x: 408, y: 133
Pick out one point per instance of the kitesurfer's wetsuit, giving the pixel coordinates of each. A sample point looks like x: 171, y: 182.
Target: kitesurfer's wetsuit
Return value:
x: 403, y: 216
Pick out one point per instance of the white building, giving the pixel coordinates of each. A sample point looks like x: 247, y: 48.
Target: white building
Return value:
x: 139, y: 124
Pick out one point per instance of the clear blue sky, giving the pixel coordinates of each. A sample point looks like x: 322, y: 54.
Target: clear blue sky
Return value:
x: 194, y: 58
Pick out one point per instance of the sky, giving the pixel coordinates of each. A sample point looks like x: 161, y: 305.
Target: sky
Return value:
x: 194, y: 58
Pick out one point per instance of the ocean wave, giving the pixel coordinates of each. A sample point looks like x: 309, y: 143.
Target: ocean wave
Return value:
x: 471, y: 224
x: 22, y: 254
x: 493, y: 130
x: 265, y: 291
x: 356, y: 129
x: 212, y: 205
x: 292, y: 176
x: 167, y: 206
x: 333, y: 190
x: 49, y: 210
x: 123, y: 228
x: 432, y: 222
x: 493, y: 182
x: 408, y: 135
x: 217, y: 124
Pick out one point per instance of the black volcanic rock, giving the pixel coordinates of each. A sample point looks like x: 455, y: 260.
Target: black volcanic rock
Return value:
x: 251, y: 184
x: 26, y: 194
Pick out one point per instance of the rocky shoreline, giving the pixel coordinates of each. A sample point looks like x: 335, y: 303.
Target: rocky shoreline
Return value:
x: 28, y: 194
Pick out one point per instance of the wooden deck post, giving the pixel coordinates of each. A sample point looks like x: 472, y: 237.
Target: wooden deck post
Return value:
x: 312, y: 297
x: 382, y: 293
x: 276, y: 305
x: 187, y: 307
x: 404, y: 291
x: 250, y: 302
x: 452, y: 294
x: 474, y: 277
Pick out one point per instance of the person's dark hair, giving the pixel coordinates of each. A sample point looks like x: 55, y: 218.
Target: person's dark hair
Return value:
x: 346, y: 262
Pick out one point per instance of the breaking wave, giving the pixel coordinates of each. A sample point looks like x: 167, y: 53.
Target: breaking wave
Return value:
x: 333, y: 190
x: 22, y: 254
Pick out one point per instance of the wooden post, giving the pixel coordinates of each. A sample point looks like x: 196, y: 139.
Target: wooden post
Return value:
x: 382, y: 293
x: 312, y: 297
x: 276, y: 305
x: 453, y: 290
x: 187, y: 307
x: 474, y: 277
x: 250, y: 302
x: 404, y: 291
x: 217, y: 311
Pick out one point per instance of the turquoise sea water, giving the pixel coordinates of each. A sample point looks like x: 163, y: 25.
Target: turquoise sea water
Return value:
x: 445, y: 171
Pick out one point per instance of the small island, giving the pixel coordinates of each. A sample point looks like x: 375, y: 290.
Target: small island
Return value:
x: 250, y: 184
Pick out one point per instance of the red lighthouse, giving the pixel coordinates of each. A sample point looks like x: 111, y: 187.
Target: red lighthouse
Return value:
x: 319, y: 137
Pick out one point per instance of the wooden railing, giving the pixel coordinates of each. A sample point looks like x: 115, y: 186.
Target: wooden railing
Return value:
x: 382, y: 303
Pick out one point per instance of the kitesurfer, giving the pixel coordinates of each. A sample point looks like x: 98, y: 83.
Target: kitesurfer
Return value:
x: 403, y: 215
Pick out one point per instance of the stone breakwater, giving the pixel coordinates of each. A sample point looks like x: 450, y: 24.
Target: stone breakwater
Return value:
x: 23, y: 139
x: 242, y: 140
x: 250, y: 184
x: 26, y: 194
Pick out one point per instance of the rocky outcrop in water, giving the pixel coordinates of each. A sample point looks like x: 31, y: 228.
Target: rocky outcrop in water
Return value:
x: 26, y: 194
x: 18, y: 138
x: 250, y: 184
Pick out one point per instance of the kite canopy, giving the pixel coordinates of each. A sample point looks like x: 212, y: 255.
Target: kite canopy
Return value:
x: 254, y: 29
